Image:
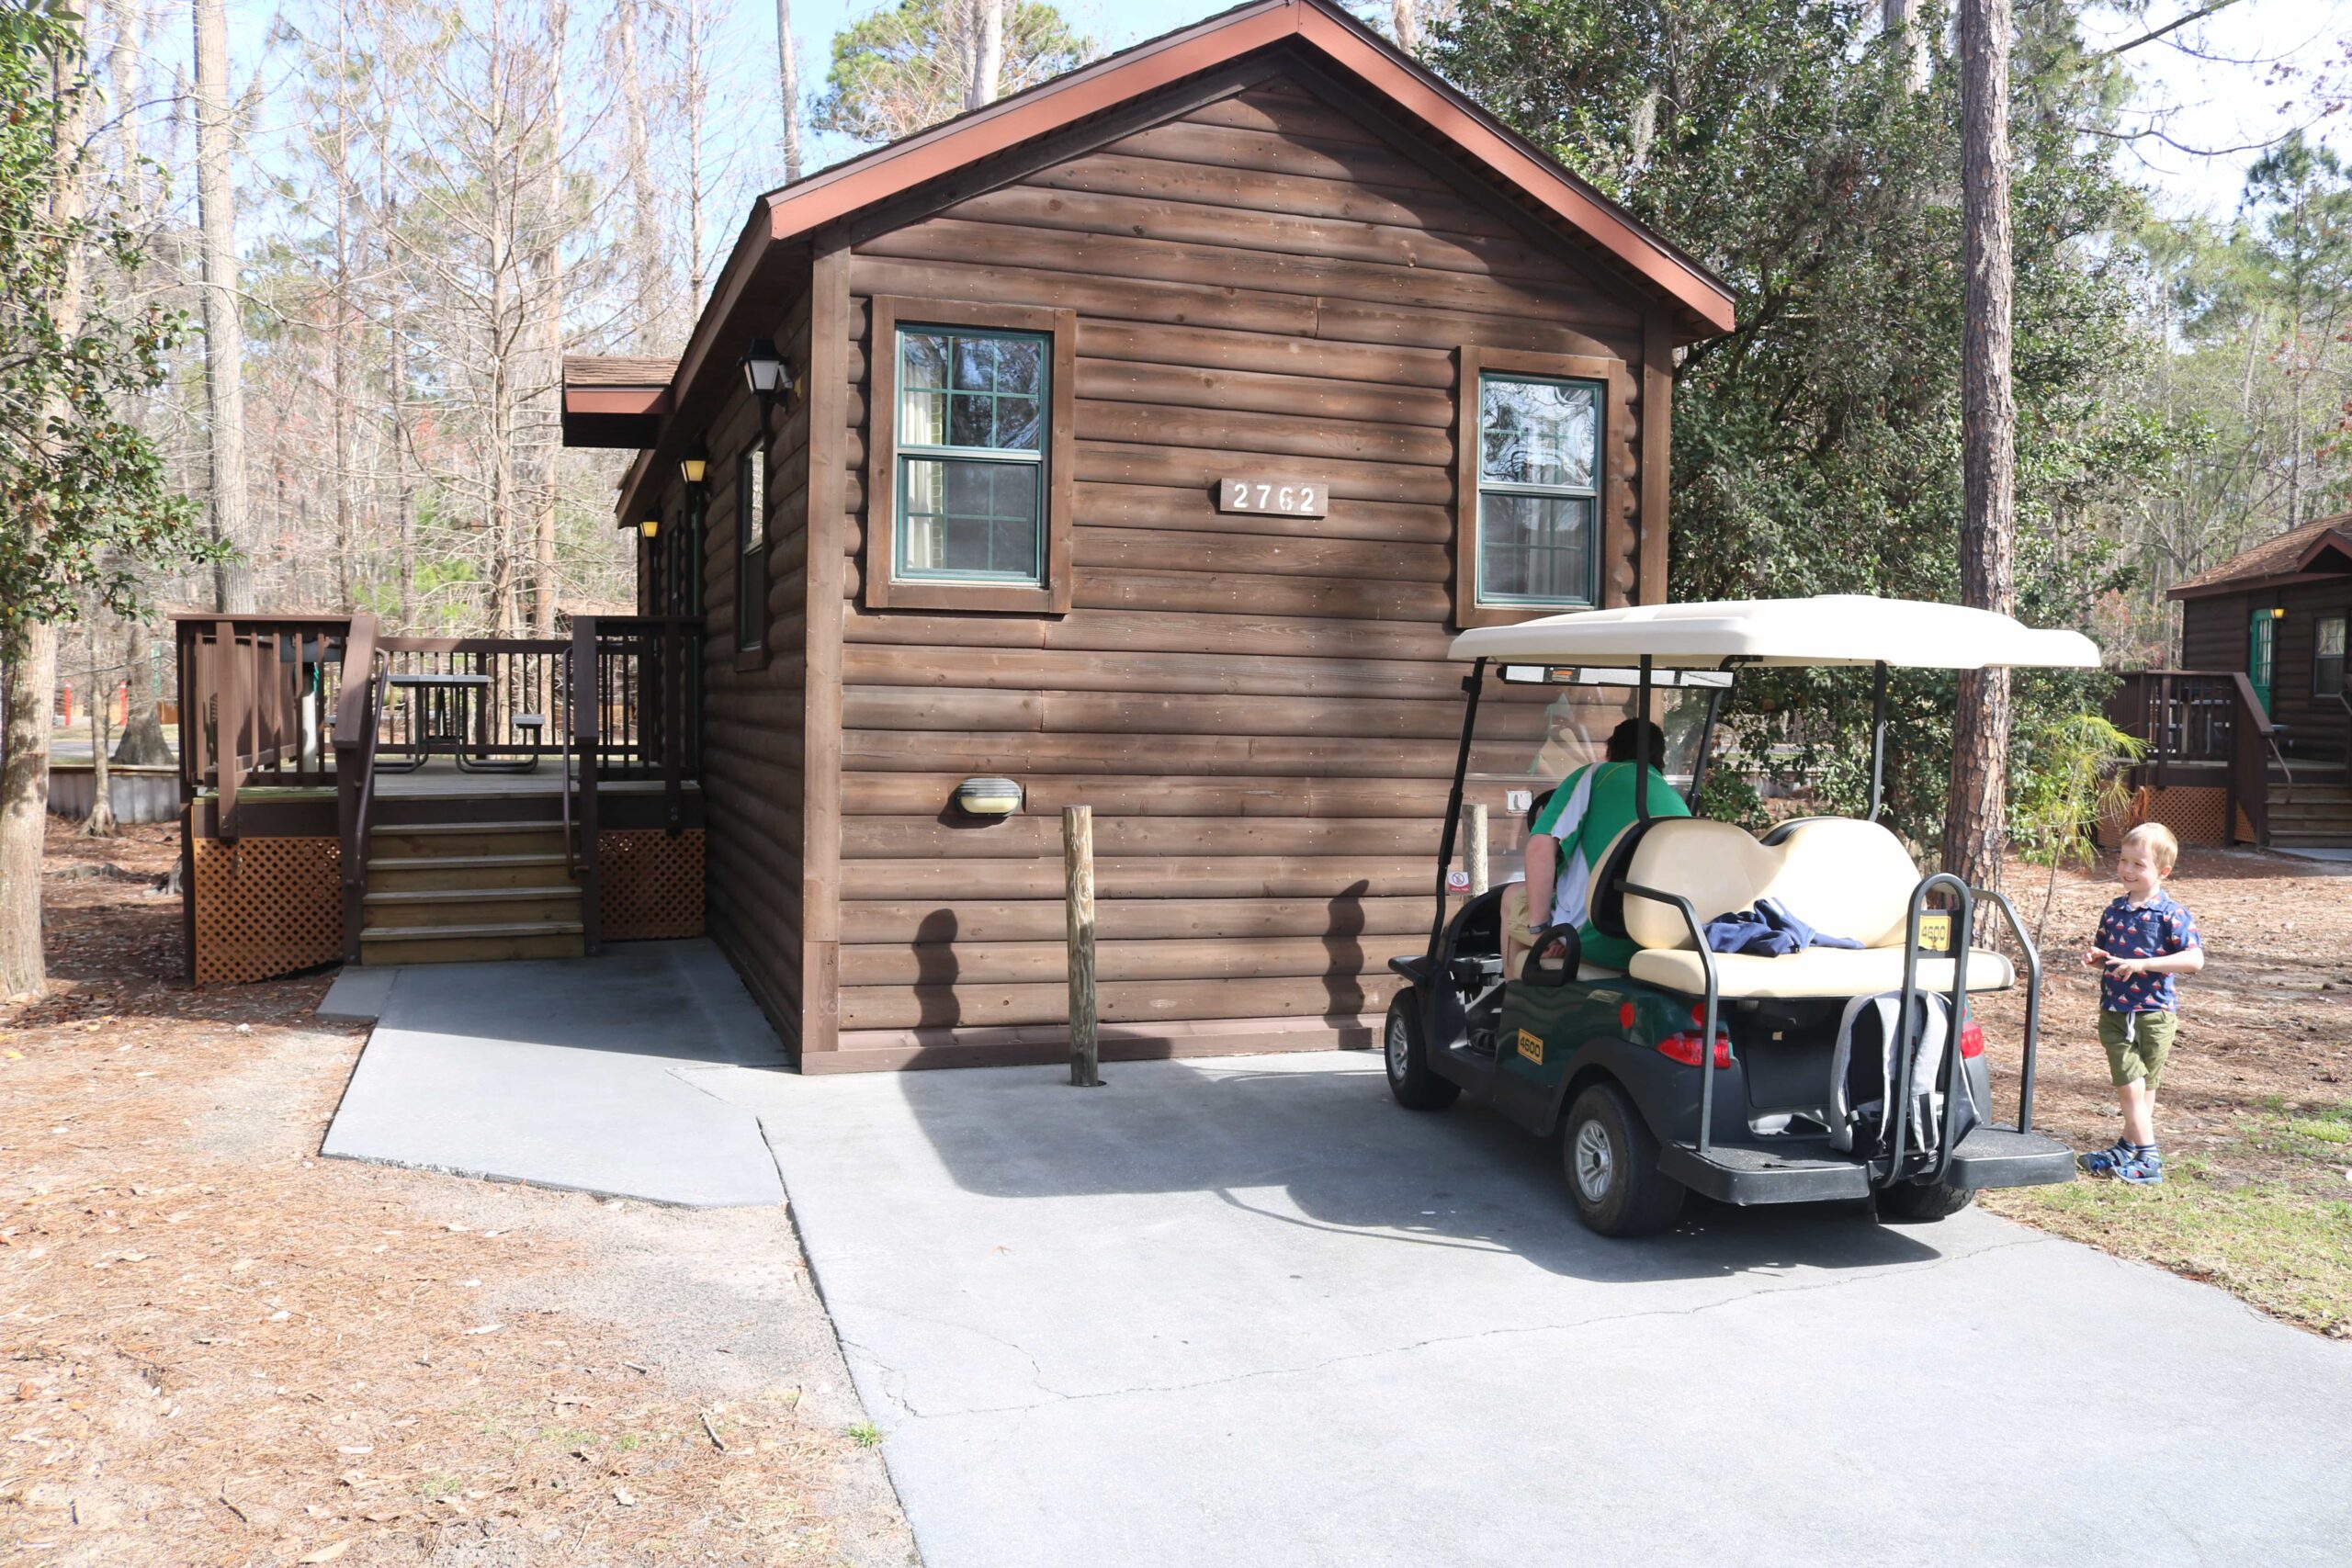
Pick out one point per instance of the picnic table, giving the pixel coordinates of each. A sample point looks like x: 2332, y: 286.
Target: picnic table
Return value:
x: 445, y: 699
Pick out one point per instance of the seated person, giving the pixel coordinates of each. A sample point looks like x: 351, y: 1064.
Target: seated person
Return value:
x: 1572, y: 828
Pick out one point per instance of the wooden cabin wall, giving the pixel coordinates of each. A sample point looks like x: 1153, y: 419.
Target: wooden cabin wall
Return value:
x: 1257, y: 709
x: 2214, y: 637
x: 753, y: 708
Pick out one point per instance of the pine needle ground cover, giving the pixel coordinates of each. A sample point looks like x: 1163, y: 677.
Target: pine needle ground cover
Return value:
x: 220, y: 1347
x: 2255, y: 1112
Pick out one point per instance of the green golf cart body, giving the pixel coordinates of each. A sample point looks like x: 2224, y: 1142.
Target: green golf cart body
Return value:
x: 1854, y: 1072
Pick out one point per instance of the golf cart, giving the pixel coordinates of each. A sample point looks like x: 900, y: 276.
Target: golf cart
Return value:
x: 1835, y: 1073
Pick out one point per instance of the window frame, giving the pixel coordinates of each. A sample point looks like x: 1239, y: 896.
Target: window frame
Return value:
x: 2323, y: 688
x: 1614, y: 545
x: 751, y: 556
x: 882, y: 586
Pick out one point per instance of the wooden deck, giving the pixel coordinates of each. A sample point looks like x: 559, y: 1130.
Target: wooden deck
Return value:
x: 441, y: 779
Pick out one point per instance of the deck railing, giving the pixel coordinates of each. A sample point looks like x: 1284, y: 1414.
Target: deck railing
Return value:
x: 314, y: 702
x: 256, y: 694
x: 2207, y: 720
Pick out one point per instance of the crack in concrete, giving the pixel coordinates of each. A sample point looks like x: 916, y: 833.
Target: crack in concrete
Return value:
x: 898, y: 1395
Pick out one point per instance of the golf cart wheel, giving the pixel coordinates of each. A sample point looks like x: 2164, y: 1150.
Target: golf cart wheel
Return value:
x: 1923, y: 1201
x: 1409, y: 1079
x: 1611, y: 1159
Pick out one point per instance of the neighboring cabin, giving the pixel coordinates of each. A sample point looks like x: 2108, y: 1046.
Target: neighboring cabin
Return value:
x: 2277, y: 612
x: 983, y: 533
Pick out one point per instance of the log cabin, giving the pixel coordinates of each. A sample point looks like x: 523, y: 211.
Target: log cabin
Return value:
x: 1140, y: 439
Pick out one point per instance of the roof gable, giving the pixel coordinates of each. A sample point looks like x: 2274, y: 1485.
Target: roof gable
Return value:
x: 2323, y: 545
x: 1698, y: 303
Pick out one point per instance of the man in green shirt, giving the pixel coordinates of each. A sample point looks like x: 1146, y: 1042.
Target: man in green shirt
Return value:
x: 1575, y: 828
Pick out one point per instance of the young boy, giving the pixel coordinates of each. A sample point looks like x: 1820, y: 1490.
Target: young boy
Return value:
x: 2145, y: 939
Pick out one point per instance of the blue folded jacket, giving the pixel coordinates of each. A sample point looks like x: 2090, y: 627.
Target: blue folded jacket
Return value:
x: 1768, y: 930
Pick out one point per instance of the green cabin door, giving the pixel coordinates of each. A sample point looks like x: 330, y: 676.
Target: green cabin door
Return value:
x: 2259, y: 633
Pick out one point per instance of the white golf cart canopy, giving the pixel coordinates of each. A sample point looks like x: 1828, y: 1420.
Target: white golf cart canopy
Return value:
x: 1831, y: 628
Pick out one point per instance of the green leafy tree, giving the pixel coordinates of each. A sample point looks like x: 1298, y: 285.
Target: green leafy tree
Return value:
x: 84, y: 508
x: 2069, y: 779
x: 912, y: 64
x: 1790, y: 145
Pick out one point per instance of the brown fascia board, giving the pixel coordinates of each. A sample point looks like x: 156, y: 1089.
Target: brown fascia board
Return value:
x: 833, y: 194
x: 794, y: 212
x: 2247, y: 585
x: 848, y: 188
x: 2336, y: 540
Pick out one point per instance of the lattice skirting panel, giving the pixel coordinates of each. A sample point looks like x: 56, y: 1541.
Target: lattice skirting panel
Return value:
x: 648, y: 883
x: 2197, y: 814
x: 266, y: 906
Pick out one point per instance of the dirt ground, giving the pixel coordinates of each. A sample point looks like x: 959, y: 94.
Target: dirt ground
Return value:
x: 2255, y: 1110
x: 223, y: 1349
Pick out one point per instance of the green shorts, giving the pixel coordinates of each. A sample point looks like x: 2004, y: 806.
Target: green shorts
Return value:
x: 2137, y: 1044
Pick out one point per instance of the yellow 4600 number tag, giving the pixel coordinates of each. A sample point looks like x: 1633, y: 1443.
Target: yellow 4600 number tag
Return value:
x: 1530, y: 1045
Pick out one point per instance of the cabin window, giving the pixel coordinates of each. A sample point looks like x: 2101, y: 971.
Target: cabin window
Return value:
x: 751, y: 548
x: 1539, y: 497
x: 971, y: 455
x: 2327, y: 657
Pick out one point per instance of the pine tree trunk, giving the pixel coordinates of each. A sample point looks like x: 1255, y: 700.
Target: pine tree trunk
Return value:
x: 1899, y: 19
x: 1405, y: 25
x: 31, y: 674
x: 985, y: 51
x: 788, y: 62
x: 547, y: 336
x: 100, y: 822
x: 31, y: 655
x: 1973, y: 824
x: 224, y: 341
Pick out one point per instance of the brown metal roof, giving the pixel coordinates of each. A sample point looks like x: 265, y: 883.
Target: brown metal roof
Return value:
x: 2290, y: 554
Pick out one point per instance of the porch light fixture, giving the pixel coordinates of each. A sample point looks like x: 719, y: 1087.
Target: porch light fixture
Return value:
x: 650, y: 527
x: 695, y: 464
x: 988, y: 797
x: 764, y: 373
x: 2279, y: 615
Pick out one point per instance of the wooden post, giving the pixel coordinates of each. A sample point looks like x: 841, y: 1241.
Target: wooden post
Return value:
x: 1078, y: 868
x: 1474, y: 849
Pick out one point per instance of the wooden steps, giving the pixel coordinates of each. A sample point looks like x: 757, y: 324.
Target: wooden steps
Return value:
x: 2313, y: 817
x: 469, y: 893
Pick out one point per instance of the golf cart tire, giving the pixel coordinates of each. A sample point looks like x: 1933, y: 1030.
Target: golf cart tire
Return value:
x: 1634, y: 1197
x: 1918, y: 1202
x: 1407, y: 1055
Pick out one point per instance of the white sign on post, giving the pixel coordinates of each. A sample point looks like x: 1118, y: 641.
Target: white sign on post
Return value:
x: 1284, y: 497
x: 1457, y: 881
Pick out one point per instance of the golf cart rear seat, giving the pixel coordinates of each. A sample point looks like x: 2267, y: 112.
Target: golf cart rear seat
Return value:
x: 1842, y: 875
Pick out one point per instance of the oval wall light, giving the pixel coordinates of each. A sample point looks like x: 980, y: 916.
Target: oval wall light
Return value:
x: 988, y: 797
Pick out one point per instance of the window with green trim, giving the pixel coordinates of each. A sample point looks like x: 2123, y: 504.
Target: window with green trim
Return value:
x: 2327, y: 656
x: 1538, y: 496
x: 971, y: 455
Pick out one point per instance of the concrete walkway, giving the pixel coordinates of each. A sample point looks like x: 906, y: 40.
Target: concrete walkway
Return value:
x: 1251, y: 1312
x: 589, y: 1074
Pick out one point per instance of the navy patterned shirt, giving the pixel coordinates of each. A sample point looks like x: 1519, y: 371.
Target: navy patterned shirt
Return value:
x: 2153, y: 930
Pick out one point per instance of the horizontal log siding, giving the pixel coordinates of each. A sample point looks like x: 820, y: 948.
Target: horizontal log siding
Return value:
x: 2215, y: 635
x: 752, y: 734
x: 1258, y: 711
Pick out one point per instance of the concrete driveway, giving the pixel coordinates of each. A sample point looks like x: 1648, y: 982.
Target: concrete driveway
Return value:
x: 1250, y: 1312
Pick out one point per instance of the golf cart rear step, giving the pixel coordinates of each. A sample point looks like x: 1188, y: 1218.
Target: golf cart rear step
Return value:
x: 1787, y: 1171
x: 2003, y: 1157
x: 1807, y: 1170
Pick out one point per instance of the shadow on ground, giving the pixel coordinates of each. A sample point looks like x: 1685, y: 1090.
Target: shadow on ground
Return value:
x: 1329, y: 1150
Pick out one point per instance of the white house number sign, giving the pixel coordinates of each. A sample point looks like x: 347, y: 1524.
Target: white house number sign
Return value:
x: 1288, y: 497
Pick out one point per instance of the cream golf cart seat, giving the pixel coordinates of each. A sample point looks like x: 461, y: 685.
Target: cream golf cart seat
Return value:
x: 1842, y: 876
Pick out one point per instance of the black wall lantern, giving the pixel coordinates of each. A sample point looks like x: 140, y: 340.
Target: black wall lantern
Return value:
x: 764, y: 373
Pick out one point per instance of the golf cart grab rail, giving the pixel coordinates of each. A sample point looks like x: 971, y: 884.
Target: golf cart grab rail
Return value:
x: 1707, y: 1039
x: 1898, y: 1107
